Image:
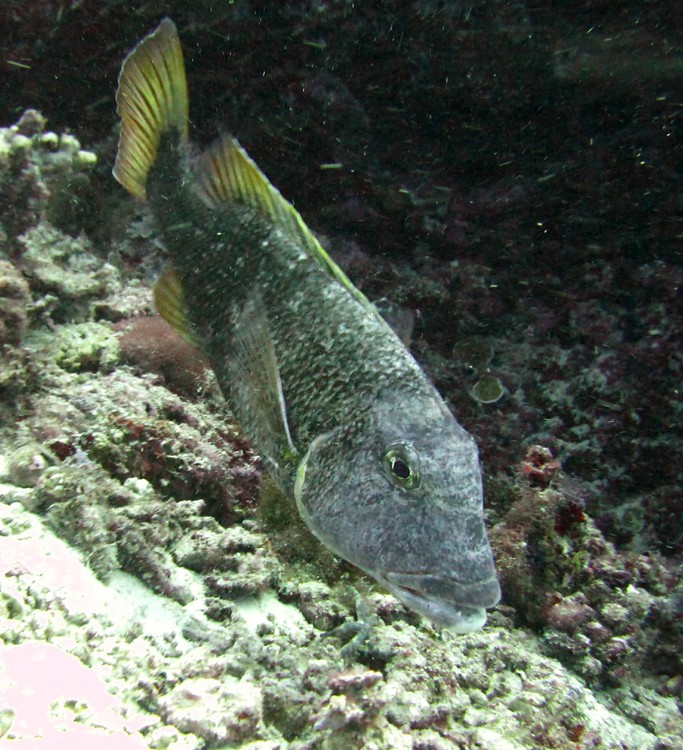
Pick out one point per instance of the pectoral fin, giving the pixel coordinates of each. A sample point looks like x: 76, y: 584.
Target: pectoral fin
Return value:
x: 256, y: 387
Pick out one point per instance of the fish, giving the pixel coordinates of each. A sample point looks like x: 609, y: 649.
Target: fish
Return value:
x: 346, y: 421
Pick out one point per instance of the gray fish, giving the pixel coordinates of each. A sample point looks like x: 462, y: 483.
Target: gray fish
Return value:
x: 347, y: 423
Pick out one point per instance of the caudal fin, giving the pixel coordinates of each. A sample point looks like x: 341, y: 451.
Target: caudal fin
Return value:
x: 151, y: 98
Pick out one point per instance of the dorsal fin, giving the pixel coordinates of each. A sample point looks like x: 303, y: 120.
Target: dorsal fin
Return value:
x: 151, y: 98
x: 227, y: 174
x: 169, y: 302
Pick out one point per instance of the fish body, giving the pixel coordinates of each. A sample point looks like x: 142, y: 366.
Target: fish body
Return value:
x: 346, y: 421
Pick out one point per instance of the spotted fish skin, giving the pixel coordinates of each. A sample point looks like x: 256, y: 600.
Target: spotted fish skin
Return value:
x: 345, y: 419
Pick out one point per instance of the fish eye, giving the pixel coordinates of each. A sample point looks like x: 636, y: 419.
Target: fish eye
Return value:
x: 402, y: 465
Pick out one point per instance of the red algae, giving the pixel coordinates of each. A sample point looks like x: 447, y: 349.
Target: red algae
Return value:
x: 153, y: 346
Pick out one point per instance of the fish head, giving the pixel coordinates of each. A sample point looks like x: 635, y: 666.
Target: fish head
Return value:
x: 398, y: 493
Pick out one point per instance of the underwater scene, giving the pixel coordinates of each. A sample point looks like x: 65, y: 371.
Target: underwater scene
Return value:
x: 341, y: 375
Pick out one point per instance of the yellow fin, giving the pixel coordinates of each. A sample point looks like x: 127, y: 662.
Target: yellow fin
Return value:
x: 227, y: 174
x: 151, y: 98
x: 169, y: 302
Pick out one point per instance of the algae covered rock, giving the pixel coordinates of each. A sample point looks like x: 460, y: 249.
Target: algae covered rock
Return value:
x: 43, y: 175
x: 76, y: 501
x: 86, y: 347
x: 14, y: 303
x: 66, y: 269
x: 225, y: 710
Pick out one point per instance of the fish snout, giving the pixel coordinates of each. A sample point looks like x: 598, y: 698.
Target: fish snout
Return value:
x: 444, y: 600
x: 478, y: 594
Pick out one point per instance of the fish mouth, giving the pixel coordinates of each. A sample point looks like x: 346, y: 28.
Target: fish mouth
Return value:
x: 447, y: 602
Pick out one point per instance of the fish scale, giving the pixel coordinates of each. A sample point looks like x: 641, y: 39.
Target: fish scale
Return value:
x: 345, y: 419
x: 336, y: 342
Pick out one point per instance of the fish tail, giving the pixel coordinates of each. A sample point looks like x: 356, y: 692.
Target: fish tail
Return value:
x: 151, y: 98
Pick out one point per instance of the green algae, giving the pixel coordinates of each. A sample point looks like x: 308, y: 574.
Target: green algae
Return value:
x: 65, y: 267
x: 488, y: 389
x: 86, y: 347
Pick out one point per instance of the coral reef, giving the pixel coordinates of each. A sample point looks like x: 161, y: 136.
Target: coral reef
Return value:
x: 268, y: 677
x: 261, y: 641
x: 610, y: 616
x: 42, y: 175
x: 531, y: 242
x: 14, y: 299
